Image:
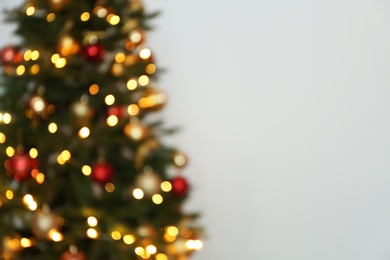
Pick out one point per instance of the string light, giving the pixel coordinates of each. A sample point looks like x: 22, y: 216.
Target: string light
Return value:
x: 110, y: 99
x: 145, y: 53
x: 116, y: 235
x: 133, y: 109
x: 25, y: 242
x: 86, y: 170
x: 113, y: 19
x: 94, y: 89
x: 2, y: 138
x: 5, y: 118
x: 161, y: 257
x: 52, y: 127
x: 109, y: 187
x: 50, y: 17
x: 112, y: 120
x: 157, y: 199
x: 84, y: 132
x: 55, y: 235
x: 128, y: 239
x: 166, y: 186
x: 40, y: 178
x: 33, y: 153
x: 20, y: 70
x: 9, y: 194
x: 35, y: 69
x: 143, y: 80
x: 30, y: 11
x: 10, y: 151
x: 151, y: 249
x: 92, y: 233
x: 138, y: 193
x: 150, y: 68
x: 85, y: 16
x: 92, y: 221
x: 131, y: 84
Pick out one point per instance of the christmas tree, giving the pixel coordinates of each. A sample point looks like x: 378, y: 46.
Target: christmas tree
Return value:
x: 86, y: 174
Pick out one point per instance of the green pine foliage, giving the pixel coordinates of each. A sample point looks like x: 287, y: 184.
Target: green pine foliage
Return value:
x: 78, y: 144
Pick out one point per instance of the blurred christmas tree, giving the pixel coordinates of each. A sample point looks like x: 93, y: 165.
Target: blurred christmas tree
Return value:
x: 85, y: 173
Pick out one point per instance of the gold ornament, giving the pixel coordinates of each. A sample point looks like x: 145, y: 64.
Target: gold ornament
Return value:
x: 149, y: 182
x: 58, y: 5
x: 152, y: 99
x: 43, y: 222
x: 67, y: 45
x: 136, y: 131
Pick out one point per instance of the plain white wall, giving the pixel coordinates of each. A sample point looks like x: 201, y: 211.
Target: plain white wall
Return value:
x: 284, y: 108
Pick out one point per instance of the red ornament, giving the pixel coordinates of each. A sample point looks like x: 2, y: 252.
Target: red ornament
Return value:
x: 20, y: 166
x: 10, y: 55
x: 179, y: 186
x: 102, y: 173
x: 93, y: 52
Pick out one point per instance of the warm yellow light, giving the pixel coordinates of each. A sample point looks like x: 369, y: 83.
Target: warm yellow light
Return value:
x: 194, y: 244
x: 138, y: 193
x: 186, y: 232
x: 120, y: 57
x: 9, y: 194
x: 33, y: 153
x: 143, y: 80
x: 161, y: 257
x: 28, y: 198
x: 40, y: 178
x: 135, y: 36
x: 157, y: 199
x: 133, y: 109
x: 131, y: 84
x: 139, y: 251
x: 151, y: 249
x: 32, y: 205
x: 54, y: 58
x: 113, y: 19
x: 116, y: 235
x: 35, y: 55
x: 84, y: 132
x: 150, y: 68
x: 50, y: 17
x: 110, y: 99
x: 85, y: 16
x: 166, y: 186
x: 52, y: 128
x: 2, y: 138
x: 7, y: 118
x: 172, y: 231
x: 92, y: 221
x: 20, y: 70
x: 60, y: 63
x: 128, y: 239
x: 66, y: 155
x: 30, y: 11
x: 109, y: 187
x: 100, y: 11
x: 145, y: 53
x: 55, y: 235
x: 27, y: 55
x: 94, y: 89
x: 112, y: 120
x: 92, y: 233
x: 35, y: 69
x: 86, y: 170
x: 25, y: 242
x: 10, y: 151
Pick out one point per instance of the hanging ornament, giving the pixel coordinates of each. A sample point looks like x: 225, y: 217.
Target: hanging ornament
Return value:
x: 93, y: 52
x: 58, y: 5
x: 136, y: 131
x: 42, y: 222
x: 10, y: 55
x: 179, y: 186
x: 67, y: 45
x: 73, y: 254
x: 149, y: 182
x: 153, y: 99
x: 179, y: 159
x: 20, y: 166
x: 102, y: 172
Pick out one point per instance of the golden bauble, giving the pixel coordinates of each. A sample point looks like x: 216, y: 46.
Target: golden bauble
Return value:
x: 67, y: 45
x: 136, y: 132
x: 58, y: 5
x: 152, y: 99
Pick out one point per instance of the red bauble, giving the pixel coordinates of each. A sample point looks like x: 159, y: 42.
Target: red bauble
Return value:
x: 20, y: 166
x: 102, y: 173
x: 179, y: 186
x: 10, y: 55
x: 67, y: 255
x: 93, y: 52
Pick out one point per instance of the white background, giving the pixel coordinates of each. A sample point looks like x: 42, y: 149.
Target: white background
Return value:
x: 284, y: 107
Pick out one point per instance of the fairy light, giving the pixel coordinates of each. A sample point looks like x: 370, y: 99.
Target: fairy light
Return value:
x: 131, y: 84
x: 109, y: 187
x: 145, y: 53
x: 34, y: 55
x: 157, y: 199
x: 55, y: 235
x: 120, y: 57
x: 194, y: 244
x: 35, y: 69
x: 116, y: 235
x: 30, y: 11
x: 20, y: 70
x: 50, y: 17
x: 138, y: 193
x: 32, y: 205
x: 54, y: 58
x: 139, y: 251
x: 84, y: 132
x: 112, y: 120
x: 113, y: 19
x: 135, y: 36
x: 92, y: 221
x: 25, y: 242
x: 150, y: 68
x: 100, y: 11
x: 151, y: 249
x: 60, y: 63
x: 33, y: 153
x: 27, y: 55
x: 166, y: 186
x: 6, y: 118
x: 172, y: 231
x: 128, y: 239
x: 85, y: 16
x: 143, y: 80
x: 133, y: 109
x: 86, y: 170
x: 2, y: 138
x: 161, y: 257
x: 9, y: 194
x: 28, y: 198
x: 63, y: 157
x: 94, y: 89
x: 10, y: 151
x: 92, y: 233
x: 40, y: 178
x: 110, y: 100
x: 52, y: 127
